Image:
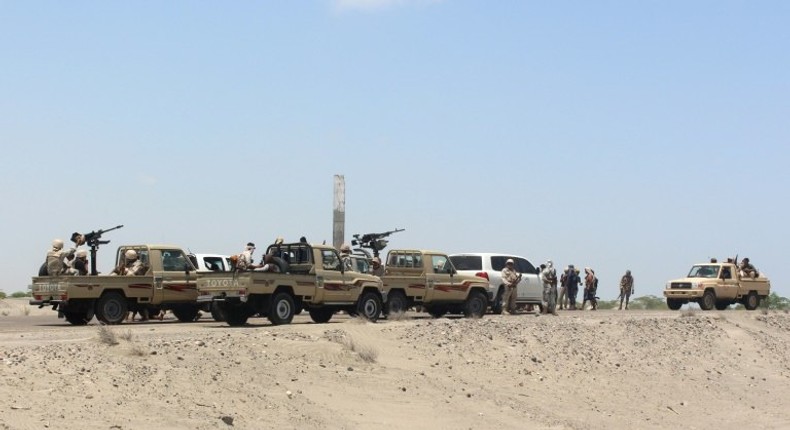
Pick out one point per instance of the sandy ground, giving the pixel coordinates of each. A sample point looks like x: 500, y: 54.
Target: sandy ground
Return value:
x: 580, y: 370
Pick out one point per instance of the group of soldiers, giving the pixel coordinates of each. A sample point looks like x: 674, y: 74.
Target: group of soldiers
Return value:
x: 569, y: 282
x: 74, y: 261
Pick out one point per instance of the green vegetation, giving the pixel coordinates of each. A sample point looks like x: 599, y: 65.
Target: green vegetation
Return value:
x: 2, y: 295
x: 20, y: 294
x: 775, y: 302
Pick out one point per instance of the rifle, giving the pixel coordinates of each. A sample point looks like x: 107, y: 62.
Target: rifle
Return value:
x: 374, y: 241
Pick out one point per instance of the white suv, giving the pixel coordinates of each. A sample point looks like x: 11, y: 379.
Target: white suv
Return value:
x: 489, y: 266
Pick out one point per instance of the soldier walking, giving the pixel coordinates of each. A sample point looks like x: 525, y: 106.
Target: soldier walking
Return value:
x: 510, y: 278
x: 563, y: 289
x: 549, y: 278
x: 626, y: 288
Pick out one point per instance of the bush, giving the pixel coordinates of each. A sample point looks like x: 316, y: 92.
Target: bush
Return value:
x: 2, y: 295
x: 20, y: 294
x: 775, y: 302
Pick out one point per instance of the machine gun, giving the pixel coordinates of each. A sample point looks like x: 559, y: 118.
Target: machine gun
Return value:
x: 374, y: 241
x: 93, y: 239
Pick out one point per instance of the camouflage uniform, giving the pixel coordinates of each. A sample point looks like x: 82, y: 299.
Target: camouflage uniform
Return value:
x: 626, y: 288
x: 549, y: 278
x: 510, y: 278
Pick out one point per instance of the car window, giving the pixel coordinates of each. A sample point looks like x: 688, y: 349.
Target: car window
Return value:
x: 524, y: 266
x: 498, y: 262
x: 440, y: 264
x: 467, y: 262
x: 213, y: 263
x: 330, y: 260
x: 173, y: 260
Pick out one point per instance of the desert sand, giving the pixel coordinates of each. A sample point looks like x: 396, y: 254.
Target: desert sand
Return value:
x: 579, y: 370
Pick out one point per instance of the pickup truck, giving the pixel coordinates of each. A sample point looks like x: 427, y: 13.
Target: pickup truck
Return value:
x: 309, y: 277
x: 167, y: 284
x: 429, y: 279
x: 717, y: 285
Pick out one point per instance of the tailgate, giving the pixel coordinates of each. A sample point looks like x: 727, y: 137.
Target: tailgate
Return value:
x: 48, y: 289
x: 213, y: 286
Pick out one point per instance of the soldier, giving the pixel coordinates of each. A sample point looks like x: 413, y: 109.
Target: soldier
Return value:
x: 510, y: 278
x: 132, y: 265
x: 80, y: 264
x: 345, y: 257
x: 376, y: 269
x: 244, y: 260
x: 626, y: 288
x: 563, y: 289
x: 549, y: 277
x: 590, y: 288
x: 747, y: 269
x: 572, y: 286
x: 55, y: 256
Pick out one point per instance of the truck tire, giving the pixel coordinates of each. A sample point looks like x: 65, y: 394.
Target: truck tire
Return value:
x: 674, y: 304
x: 369, y: 306
x: 186, y: 313
x: 476, y: 305
x: 397, y: 303
x: 236, y: 315
x: 720, y: 306
x: 321, y: 315
x: 282, y: 309
x: 111, y: 308
x: 708, y: 300
x: 496, y: 307
x: 216, y: 312
x: 77, y: 317
x: 752, y: 301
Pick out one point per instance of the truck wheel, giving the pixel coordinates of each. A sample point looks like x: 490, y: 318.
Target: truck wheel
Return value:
x: 674, y: 304
x: 397, y: 303
x: 720, y: 306
x: 436, y: 311
x: 216, y: 312
x: 236, y: 315
x: 752, y: 301
x: 708, y: 300
x: 321, y: 315
x: 496, y: 307
x: 111, y: 308
x: 77, y: 317
x: 186, y: 313
x: 282, y: 309
x: 476, y: 305
x: 369, y: 306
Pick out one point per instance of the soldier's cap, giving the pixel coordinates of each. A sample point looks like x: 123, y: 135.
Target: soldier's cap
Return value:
x: 75, y: 235
x: 509, y: 261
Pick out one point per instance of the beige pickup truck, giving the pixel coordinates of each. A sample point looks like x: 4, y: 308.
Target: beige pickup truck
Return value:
x: 309, y: 277
x: 429, y: 279
x: 717, y: 285
x: 168, y: 284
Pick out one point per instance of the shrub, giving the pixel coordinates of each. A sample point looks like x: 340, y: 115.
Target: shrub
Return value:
x: 107, y: 336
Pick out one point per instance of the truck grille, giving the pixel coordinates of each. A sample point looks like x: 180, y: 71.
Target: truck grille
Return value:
x: 680, y: 285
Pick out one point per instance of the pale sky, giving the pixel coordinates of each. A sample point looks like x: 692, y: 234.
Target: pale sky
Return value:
x: 642, y: 135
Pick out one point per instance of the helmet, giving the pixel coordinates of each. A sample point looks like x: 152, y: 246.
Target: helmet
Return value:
x: 130, y: 254
x: 627, y: 272
x: 345, y: 248
x: 57, y: 244
x: 509, y: 261
x: 81, y: 253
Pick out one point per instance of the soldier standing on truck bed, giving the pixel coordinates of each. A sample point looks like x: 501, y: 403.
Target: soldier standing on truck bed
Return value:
x: 80, y: 265
x: 345, y: 256
x: 243, y: 261
x: 376, y: 269
x: 626, y: 288
x: 55, y: 256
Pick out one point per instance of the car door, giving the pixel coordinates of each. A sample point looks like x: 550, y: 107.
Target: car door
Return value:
x: 440, y: 284
x: 728, y: 282
x: 530, y: 287
x: 176, y: 284
x: 335, y: 284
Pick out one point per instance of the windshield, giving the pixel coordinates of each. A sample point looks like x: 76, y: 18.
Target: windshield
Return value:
x: 467, y: 262
x: 705, y: 271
